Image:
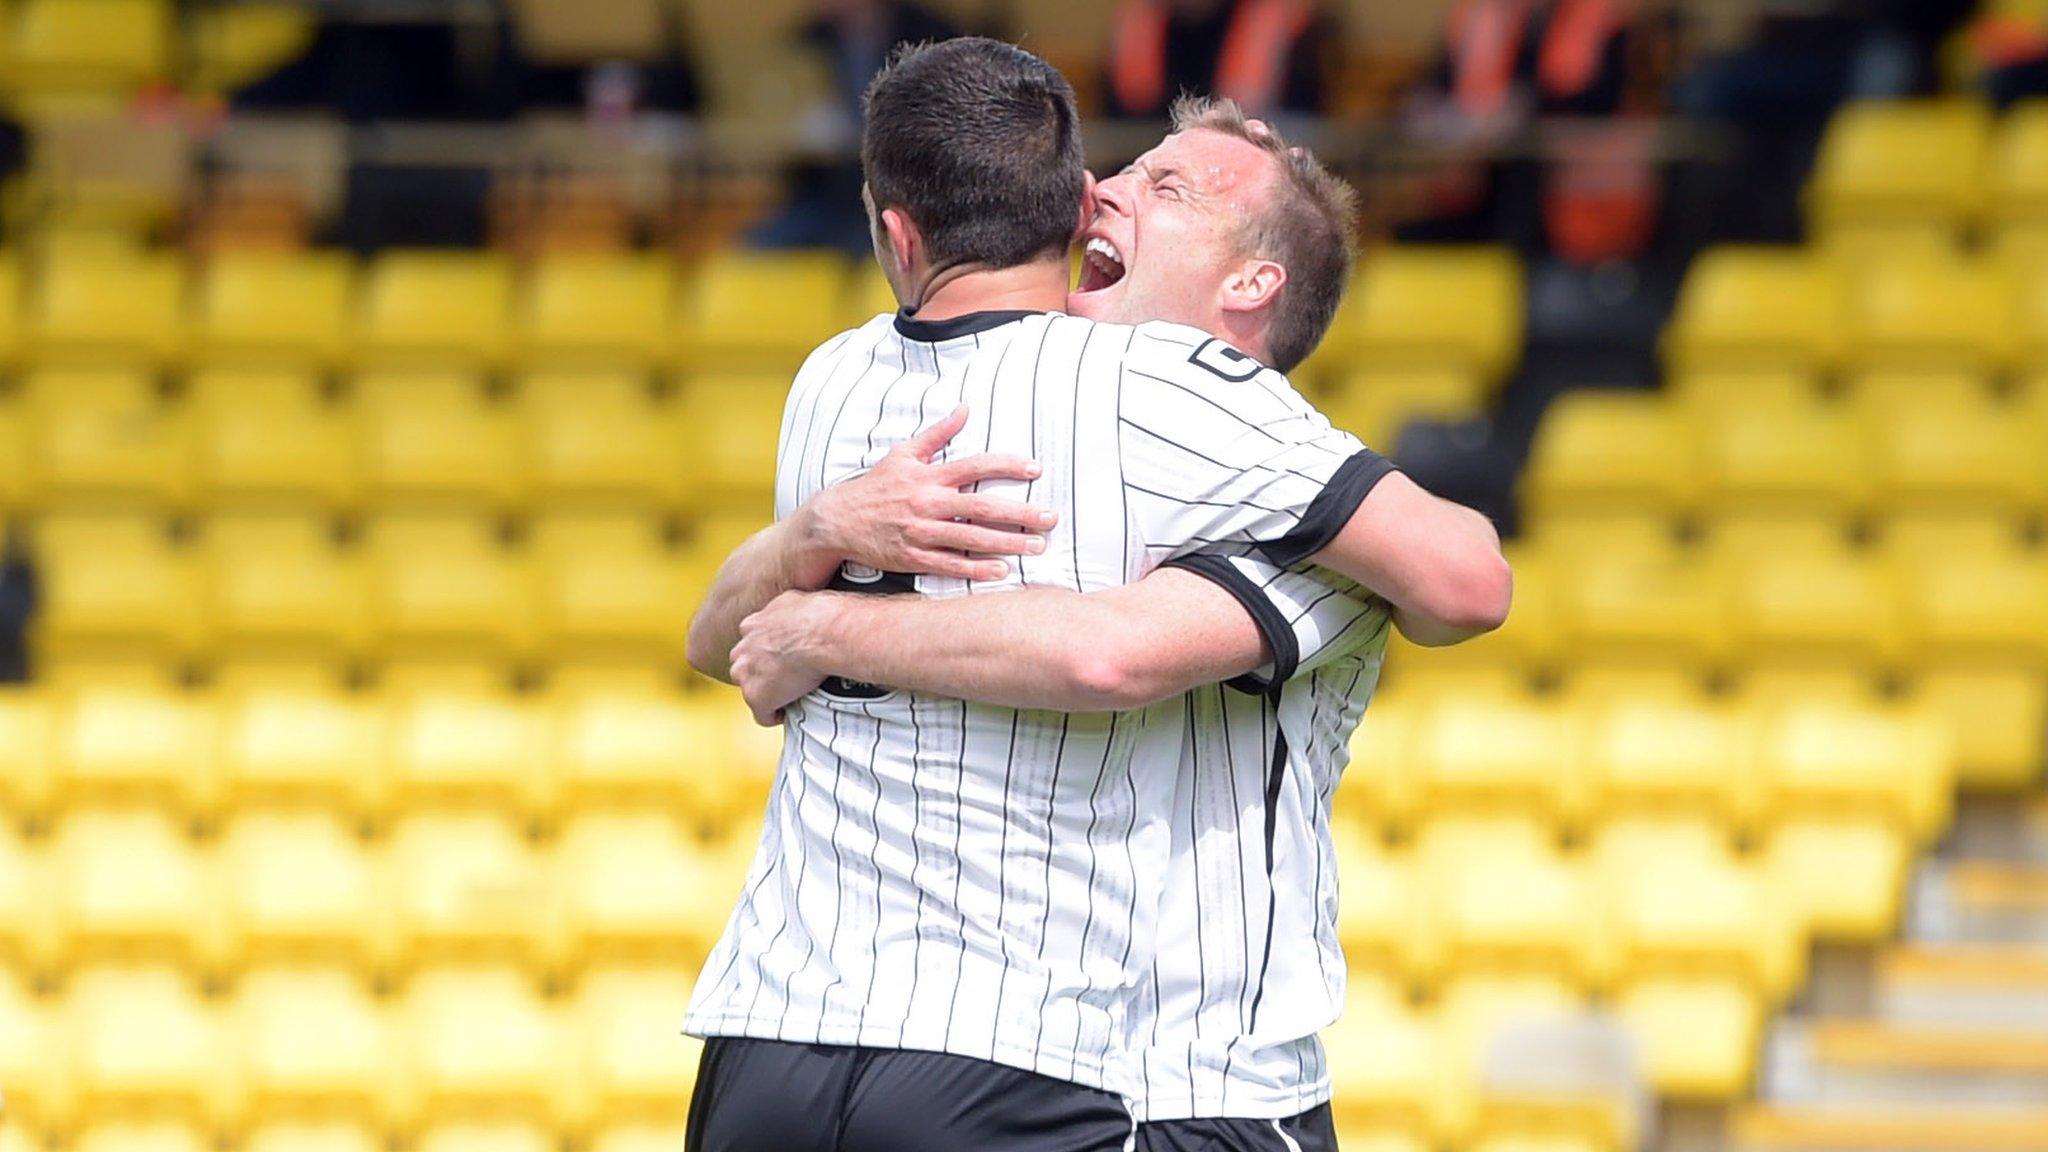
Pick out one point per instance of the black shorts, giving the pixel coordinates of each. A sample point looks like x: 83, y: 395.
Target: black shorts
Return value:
x: 1312, y: 1131
x: 771, y: 1096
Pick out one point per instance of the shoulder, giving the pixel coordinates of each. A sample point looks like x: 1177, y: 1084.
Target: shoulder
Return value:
x: 1191, y: 358
x: 852, y: 342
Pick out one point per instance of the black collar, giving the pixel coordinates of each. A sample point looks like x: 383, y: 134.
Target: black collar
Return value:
x: 933, y: 331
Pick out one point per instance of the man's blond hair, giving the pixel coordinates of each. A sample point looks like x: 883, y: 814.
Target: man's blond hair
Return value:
x: 1308, y: 227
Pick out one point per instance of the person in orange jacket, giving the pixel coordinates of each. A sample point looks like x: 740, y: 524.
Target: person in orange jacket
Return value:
x: 1265, y: 54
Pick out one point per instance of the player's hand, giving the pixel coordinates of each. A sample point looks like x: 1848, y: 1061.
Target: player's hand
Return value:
x: 770, y: 662
x: 908, y: 514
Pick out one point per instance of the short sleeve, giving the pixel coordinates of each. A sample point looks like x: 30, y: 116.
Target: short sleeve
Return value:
x: 1308, y: 618
x: 1217, y: 450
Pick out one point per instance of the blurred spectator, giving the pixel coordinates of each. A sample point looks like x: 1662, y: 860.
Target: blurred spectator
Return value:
x: 17, y: 604
x: 2008, y: 44
x: 855, y: 37
x: 404, y: 69
x: 1265, y: 54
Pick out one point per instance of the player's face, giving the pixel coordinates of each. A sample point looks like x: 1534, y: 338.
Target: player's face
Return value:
x: 1164, y: 233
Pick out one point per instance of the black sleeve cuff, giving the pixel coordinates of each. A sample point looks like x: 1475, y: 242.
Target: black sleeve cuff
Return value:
x: 1331, y: 509
x: 1271, y: 622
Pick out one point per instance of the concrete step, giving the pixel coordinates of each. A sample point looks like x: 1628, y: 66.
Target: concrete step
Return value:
x: 1963, y: 985
x: 1964, y: 901
x: 1872, y: 1063
x: 1887, y: 1128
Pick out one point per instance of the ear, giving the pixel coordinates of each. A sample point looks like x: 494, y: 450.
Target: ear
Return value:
x: 1087, y: 204
x: 906, y: 243
x: 1252, y: 287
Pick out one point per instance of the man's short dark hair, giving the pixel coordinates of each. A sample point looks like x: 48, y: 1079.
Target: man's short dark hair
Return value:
x: 979, y: 143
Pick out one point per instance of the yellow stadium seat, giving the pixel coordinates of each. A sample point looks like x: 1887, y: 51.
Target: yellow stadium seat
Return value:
x: 480, y: 1038
x: 1648, y: 755
x: 24, y: 902
x: 27, y: 749
x: 1901, y: 173
x: 1750, y: 309
x: 2017, y: 178
x: 433, y: 440
x: 447, y: 676
x: 232, y: 47
x: 312, y: 1136
x: 34, y: 1060
x: 281, y: 588
x: 444, y: 587
x: 1738, y: 534
x: 130, y: 883
x: 1699, y: 1035
x: 1436, y: 307
x: 463, y: 886
x: 1820, y: 758
x: 1484, y: 753
x: 1801, y: 458
x: 1598, y: 452
x: 634, y: 1063
x: 1661, y: 606
x: 1972, y: 604
x: 439, y: 309
x: 1705, y: 390
x: 1843, y: 876
x: 1373, y: 1138
x: 613, y: 594
x: 735, y: 422
x: 127, y: 744
x: 1997, y: 719
x: 1476, y: 1010
x: 269, y: 439
x: 486, y: 1136
x: 143, y: 1136
x: 1541, y: 1141
x: 312, y: 1040
x: 1378, y: 787
x: 299, y: 886
x: 599, y: 440
x: 468, y: 749
x: 1681, y: 903
x: 144, y: 1040
x: 643, y: 749
x: 14, y: 465
x: 275, y: 309
x: 1807, y: 608
x: 1376, y: 404
x: 2030, y: 306
x: 631, y: 888
x: 1940, y: 313
x: 869, y: 296
x: 104, y: 438
x: 761, y: 311
x: 1514, y: 904
x: 10, y: 303
x: 100, y: 307
x: 85, y: 56
x: 1940, y: 442
x: 611, y: 311
x: 301, y: 746
x: 1387, y: 1061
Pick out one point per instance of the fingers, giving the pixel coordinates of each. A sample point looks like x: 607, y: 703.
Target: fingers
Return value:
x: 996, y: 510
x: 960, y: 567
x: 926, y: 444
x: 988, y: 466
x: 766, y: 718
x: 974, y: 538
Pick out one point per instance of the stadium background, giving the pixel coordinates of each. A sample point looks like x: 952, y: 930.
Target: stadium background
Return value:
x: 381, y: 382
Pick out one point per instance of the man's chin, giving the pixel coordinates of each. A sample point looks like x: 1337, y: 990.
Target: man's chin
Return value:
x: 1099, y: 306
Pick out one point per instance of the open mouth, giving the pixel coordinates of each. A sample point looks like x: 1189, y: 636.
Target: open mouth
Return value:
x: 1101, y: 265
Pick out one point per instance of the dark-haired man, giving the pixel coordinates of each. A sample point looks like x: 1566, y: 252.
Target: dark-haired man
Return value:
x: 958, y: 899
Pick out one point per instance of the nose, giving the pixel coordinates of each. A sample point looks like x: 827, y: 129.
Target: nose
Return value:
x: 1114, y: 195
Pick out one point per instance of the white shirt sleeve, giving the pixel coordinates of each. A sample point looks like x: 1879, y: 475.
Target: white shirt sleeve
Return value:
x: 1308, y: 616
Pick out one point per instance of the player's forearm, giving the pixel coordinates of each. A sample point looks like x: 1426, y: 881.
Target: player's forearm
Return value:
x: 786, y: 556
x: 1438, y: 563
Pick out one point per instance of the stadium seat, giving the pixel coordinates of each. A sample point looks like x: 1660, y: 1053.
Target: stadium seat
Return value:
x: 24, y: 903
x: 275, y: 309
x: 1378, y: 787
x: 735, y: 422
x: 631, y: 886
x: 300, y: 746
x: 1705, y: 390
x: 1387, y: 1062
x: 475, y: 750
x: 299, y: 886
x: 10, y: 300
x: 2017, y: 176
x: 463, y: 886
x: 1940, y: 442
x: 1433, y: 307
x: 446, y: 310
x: 1938, y: 313
x: 1972, y: 601
x: 1997, y: 720
x: 312, y: 1136
x: 34, y: 1058
x: 130, y: 883
x: 268, y: 439
x: 636, y: 1137
x: 1382, y: 921
x: 433, y: 440
x: 600, y: 440
x: 14, y: 454
x: 642, y: 749
x: 1648, y: 755
x: 634, y: 1064
x: 1480, y: 753
x: 444, y: 587
x: 1804, y: 458
x: 1376, y: 404
x: 141, y: 1135
x: 1680, y: 902
x: 137, y: 745
x: 281, y: 588
x: 596, y: 311
x: 28, y: 749
x: 1898, y: 175
x: 2030, y: 306
x: 869, y: 295
x: 99, y: 308
x: 1475, y: 1011
x: 609, y: 589
x: 487, y: 1136
x: 1843, y: 876
x: 145, y: 1041
x: 480, y: 1040
x: 1750, y: 309
x: 312, y: 1040
x: 1600, y: 452
x: 760, y: 311
x: 103, y: 438
x: 1825, y: 759
x: 1794, y: 606
x: 1661, y: 606
x: 1699, y: 1034
x: 1506, y: 905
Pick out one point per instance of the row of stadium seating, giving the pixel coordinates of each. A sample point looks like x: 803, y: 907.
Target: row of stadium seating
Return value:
x: 1909, y: 175
x: 734, y: 311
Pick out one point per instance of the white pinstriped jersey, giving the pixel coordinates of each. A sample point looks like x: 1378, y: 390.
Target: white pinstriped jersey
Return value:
x: 1249, y: 968
x: 954, y: 877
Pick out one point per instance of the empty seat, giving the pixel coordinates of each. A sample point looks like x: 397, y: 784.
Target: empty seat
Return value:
x: 103, y: 438
x: 1801, y: 457
x: 632, y: 886
x: 1844, y: 876
x: 1937, y: 312
x: 1997, y: 719
x: 486, y: 1136
x: 268, y: 439
x: 1808, y: 607
x: 481, y: 1039
x: 643, y: 749
x: 113, y: 585
x: 25, y: 921
x: 617, y: 596
x: 634, y: 1062
x: 14, y: 465
x: 639, y: 1137
x: 299, y: 886
x: 35, y: 1062
x: 1972, y: 604
x: 99, y: 307
x: 131, y: 744
x: 86, y: 55
x: 1704, y: 390
x: 130, y: 883
x: 1902, y: 173
x: 1379, y: 785
x: 1376, y: 404
x: 1679, y: 902
x: 761, y: 311
x: 735, y: 422
x: 144, y: 1040
x: 312, y: 1040
x: 144, y: 1136
x: 1828, y: 759
x: 1483, y: 753
x: 282, y: 588
x: 2017, y: 176
x: 444, y: 309
x: 463, y: 885
x: 1387, y: 1061
x: 599, y: 440
x: 1650, y: 755
x: 1449, y: 306
x: 10, y: 305
x: 431, y: 440
x: 483, y: 750
x: 446, y: 588
x: 1747, y: 308
x: 274, y: 308
x: 312, y: 1136
x: 1609, y: 452
x: 1659, y: 605
x: 1940, y: 441
x: 1509, y: 904
x: 1699, y: 1034
x: 27, y: 747
x: 597, y: 310
x: 301, y: 746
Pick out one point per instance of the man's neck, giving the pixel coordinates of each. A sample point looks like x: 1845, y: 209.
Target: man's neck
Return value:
x: 1036, y: 287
